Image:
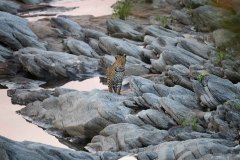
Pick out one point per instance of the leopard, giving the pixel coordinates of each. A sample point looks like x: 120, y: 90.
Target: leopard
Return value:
x: 115, y: 74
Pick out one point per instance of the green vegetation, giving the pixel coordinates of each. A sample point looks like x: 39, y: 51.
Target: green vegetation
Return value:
x: 220, y: 56
x: 201, y: 77
x: 163, y: 20
x: 191, y: 122
x: 122, y: 9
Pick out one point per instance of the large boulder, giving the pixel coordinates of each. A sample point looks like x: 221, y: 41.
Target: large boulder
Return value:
x: 50, y: 64
x: 15, y: 33
x: 77, y: 114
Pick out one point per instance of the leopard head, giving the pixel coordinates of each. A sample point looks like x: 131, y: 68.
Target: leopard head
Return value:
x: 120, y: 63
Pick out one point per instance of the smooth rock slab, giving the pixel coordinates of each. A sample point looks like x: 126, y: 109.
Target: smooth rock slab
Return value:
x: 10, y: 7
x: 157, y: 31
x: 15, y: 33
x: 79, y: 114
x: 49, y: 64
x: 124, y: 137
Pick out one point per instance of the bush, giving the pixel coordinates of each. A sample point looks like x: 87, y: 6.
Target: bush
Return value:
x: 189, y: 122
x: 163, y: 20
x: 122, y: 9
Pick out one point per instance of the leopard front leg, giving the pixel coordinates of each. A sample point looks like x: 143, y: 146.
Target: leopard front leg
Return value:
x: 109, y: 82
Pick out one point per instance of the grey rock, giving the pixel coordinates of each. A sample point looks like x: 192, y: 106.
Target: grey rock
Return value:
x: 49, y: 64
x: 157, y: 31
x: 34, y: 1
x: 223, y: 37
x: 30, y: 150
x: 77, y: 47
x: 123, y: 29
x: 93, y: 43
x: 207, y: 18
x: 116, y: 46
x: 93, y: 111
x: 193, y: 149
x: 67, y: 28
x: 181, y: 16
x: 176, y: 110
x: 10, y: 7
x: 5, y: 54
x: 160, y: 43
x: 159, y: 3
x: 90, y: 33
x: 195, y: 47
x: 16, y: 34
x: 125, y: 136
x: 194, y: 3
x: 152, y: 117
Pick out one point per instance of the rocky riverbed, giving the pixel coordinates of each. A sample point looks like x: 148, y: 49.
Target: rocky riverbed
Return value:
x: 180, y: 96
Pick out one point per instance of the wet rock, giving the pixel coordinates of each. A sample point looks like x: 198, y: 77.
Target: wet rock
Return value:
x: 49, y: 64
x: 9, y: 6
x: 193, y: 149
x: 67, y: 28
x: 29, y: 150
x: 156, y: 31
x: 223, y: 37
x: 77, y: 47
x: 15, y: 33
x: 182, y: 17
x: 93, y: 111
x: 125, y: 136
x: 123, y: 29
x: 207, y: 18
x: 214, y: 91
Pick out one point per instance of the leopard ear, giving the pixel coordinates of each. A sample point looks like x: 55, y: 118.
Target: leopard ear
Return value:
x: 125, y: 55
x: 116, y: 57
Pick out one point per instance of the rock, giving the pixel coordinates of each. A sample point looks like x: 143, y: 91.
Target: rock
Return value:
x: 10, y: 7
x: 15, y: 33
x: 194, y: 3
x: 133, y: 66
x: 18, y: 82
x: 5, y: 54
x: 116, y: 46
x: 223, y: 37
x: 49, y: 64
x: 77, y: 47
x: 68, y: 28
x: 157, y: 31
x: 123, y: 29
x: 195, y: 47
x: 207, y: 18
x: 159, y: 3
x: 225, y: 119
x: 181, y: 16
x: 152, y: 117
x: 160, y: 43
x: 90, y: 33
x: 214, y: 91
x: 124, y: 136
x: 34, y: 1
x: 28, y: 150
x: 93, y: 111
x: 193, y: 149
x: 176, y: 110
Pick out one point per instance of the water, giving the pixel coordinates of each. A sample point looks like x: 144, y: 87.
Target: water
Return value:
x: 14, y: 127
